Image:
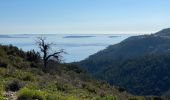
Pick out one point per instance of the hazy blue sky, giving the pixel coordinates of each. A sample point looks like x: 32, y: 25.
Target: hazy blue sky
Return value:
x: 83, y: 16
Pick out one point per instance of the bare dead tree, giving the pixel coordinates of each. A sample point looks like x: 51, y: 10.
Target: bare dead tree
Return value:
x: 45, y: 50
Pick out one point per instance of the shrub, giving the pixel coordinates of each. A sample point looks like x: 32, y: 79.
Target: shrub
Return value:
x: 71, y: 97
x: 109, y: 97
x: 2, y: 72
x: 89, y: 87
x: 3, y: 64
x: 2, y: 52
x: 1, y: 89
x: 53, y: 97
x: 13, y: 50
x: 22, y: 64
x: 62, y: 86
x: 62, y: 97
x: 1, y: 98
x: 25, y: 76
x: 34, y: 65
x: 135, y: 98
x: 13, y: 85
x: 10, y: 72
x: 120, y: 89
x: 33, y: 56
x: 27, y: 94
x: 28, y: 77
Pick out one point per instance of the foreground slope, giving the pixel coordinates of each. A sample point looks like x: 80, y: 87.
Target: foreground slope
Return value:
x: 140, y: 64
x: 22, y: 78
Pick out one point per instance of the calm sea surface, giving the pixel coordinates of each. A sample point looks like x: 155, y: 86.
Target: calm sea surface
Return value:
x: 77, y: 46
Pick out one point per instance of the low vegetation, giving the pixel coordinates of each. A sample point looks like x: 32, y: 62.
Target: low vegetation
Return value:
x: 22, y: 78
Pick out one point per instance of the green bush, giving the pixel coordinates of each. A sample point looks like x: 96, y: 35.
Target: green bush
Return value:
x: 28, y: 77
x: 25, y: 76
x: 2, y: 71
x: 1, y: 90
x: 1, y: 98
x: 62, y: 86
x: 13, y: 50
x: 34, y: 65
x: 8, y: 72
x: 89, y: 87
x: 136, y: 98
x: 27, y: 94
x: 53, y: 97
x: 13, y: 85
x: 108, y: 97
x: 33, y: 56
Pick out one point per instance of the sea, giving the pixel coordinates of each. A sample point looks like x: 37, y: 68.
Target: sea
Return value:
x: 76, y: 46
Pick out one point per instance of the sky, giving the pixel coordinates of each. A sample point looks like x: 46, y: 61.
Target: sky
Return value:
x: 83, y: 16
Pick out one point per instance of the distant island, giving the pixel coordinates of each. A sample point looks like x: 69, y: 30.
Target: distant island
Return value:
x: 4, y: 36
x: 113, y: 36
x: 78, y: 36
x: 7, y: 36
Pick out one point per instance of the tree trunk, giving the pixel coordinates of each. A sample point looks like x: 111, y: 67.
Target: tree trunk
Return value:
x: 45, y: 60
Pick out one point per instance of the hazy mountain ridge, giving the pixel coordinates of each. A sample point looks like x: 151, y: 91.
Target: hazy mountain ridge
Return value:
x: 164, y: 32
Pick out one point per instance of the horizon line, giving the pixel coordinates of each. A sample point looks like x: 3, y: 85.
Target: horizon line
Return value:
x: 72, y: 33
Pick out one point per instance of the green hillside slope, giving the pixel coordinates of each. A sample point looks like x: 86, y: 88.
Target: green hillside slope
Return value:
x: 22, y: 78
x: 140, y: 64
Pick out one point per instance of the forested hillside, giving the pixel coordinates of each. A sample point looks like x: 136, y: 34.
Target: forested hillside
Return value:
x: 140, y: 64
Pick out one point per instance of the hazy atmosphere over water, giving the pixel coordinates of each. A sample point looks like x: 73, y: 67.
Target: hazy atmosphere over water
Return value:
x: 78, y: 47
x: 83, y: 16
